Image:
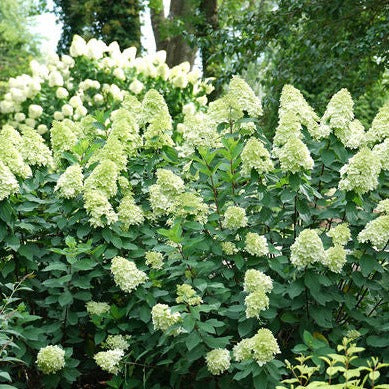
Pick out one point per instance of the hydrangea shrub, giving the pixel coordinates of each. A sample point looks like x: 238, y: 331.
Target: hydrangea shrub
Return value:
x: 170, y: 240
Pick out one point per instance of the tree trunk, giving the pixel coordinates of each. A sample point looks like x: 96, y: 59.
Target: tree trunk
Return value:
x: 177, y: 48
x: 211, y: 24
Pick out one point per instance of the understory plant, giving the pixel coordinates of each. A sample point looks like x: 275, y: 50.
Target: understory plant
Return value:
x: 174, y: 245
x: 326, y: 368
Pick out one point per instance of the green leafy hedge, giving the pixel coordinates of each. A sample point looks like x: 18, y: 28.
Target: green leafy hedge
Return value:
x: 171, y: 243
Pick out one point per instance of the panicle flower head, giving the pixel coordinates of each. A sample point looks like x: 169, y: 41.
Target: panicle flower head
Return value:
x: 164, y: 193
x: 8, y: 182
x: 155, y: 112
x: 34, y: 149
x: 335, y: 258
x: 70, y: 183
x: 129, y: 213
x: 256, y: 156
x: 294, y: 156
x: 376, y: 232
x: 154, y: 259
x: 241, y: 97
x: 361, y: 172
x: 169, y: 182
x: 242, y: 351
x: 352, y: 135
x: 293, y: 112
x: 229, y: 248
x: 97, y: 308
x: 9, y: 134
x: 126, y: 275
x: 109, y: 360
x: 118, y: 342
x: 381, y: 150
x: 234, y: 218
x: 62, y: 138
x: 262, y: 347
x: 383, y: 206
x: 198, y: 130
x: 190, y: 204
x: 339, y: 112
x: 78, y: 46
x: 255, y: 280
x: 247, y: 128
x: 124, y: 126
x: 256, y: 302
x: 103, y: 178
x: 50, y: 359
x: 186, y: 294
x: 98, y: 207
x: 307, y: 249
x: 34, y: 111
x: 114, y: 151
x: 256, y: 244
x: 379, y: 130
x: 340, y: 234
x: 11, y: 157
x: 218, y: 361
x: 163, y: 318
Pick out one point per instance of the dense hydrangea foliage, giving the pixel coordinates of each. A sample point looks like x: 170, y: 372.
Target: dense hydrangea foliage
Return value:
x: 137, y: 210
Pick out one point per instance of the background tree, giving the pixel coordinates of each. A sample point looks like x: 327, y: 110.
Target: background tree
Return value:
x: 318, y: 46
x: 110, y: 20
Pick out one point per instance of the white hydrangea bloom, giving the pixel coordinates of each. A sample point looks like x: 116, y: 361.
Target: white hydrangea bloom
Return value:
x: 8, y: 182
x: 379, y: 130
x: 126, y: 275
x: 186, y: 294
x: 109, y: 360
x: 256, y: 302
x: 340, y: 234
x: 361, y: 172
x: 218, y: 361
x: 50, y: 359
x: 97, y: 308
x: 255, y: 280
x: 234, y: 218
x: 255, y: 156
x: 98, y: 207
x: 376, y: 232
x: 381, y: 150
x: 70, y: 183
x: 294, y: 156
x: 336, y: 258
x: 117, y: 342
x: 163, y: 318
x: 129, y: 213
x: 262, y: 347
x: 229, y: 248
x: 307, y: 249
x: 256, y: 244
x: 154, y: 259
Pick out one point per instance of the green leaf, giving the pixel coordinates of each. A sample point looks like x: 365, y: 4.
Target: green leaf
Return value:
x: 84, y: 264
x: 188, y: 323
x: 13, y: 242
x: 6, y: 376
x: 65, y: 298
x: 377, y: 341
x: 192, y: 340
